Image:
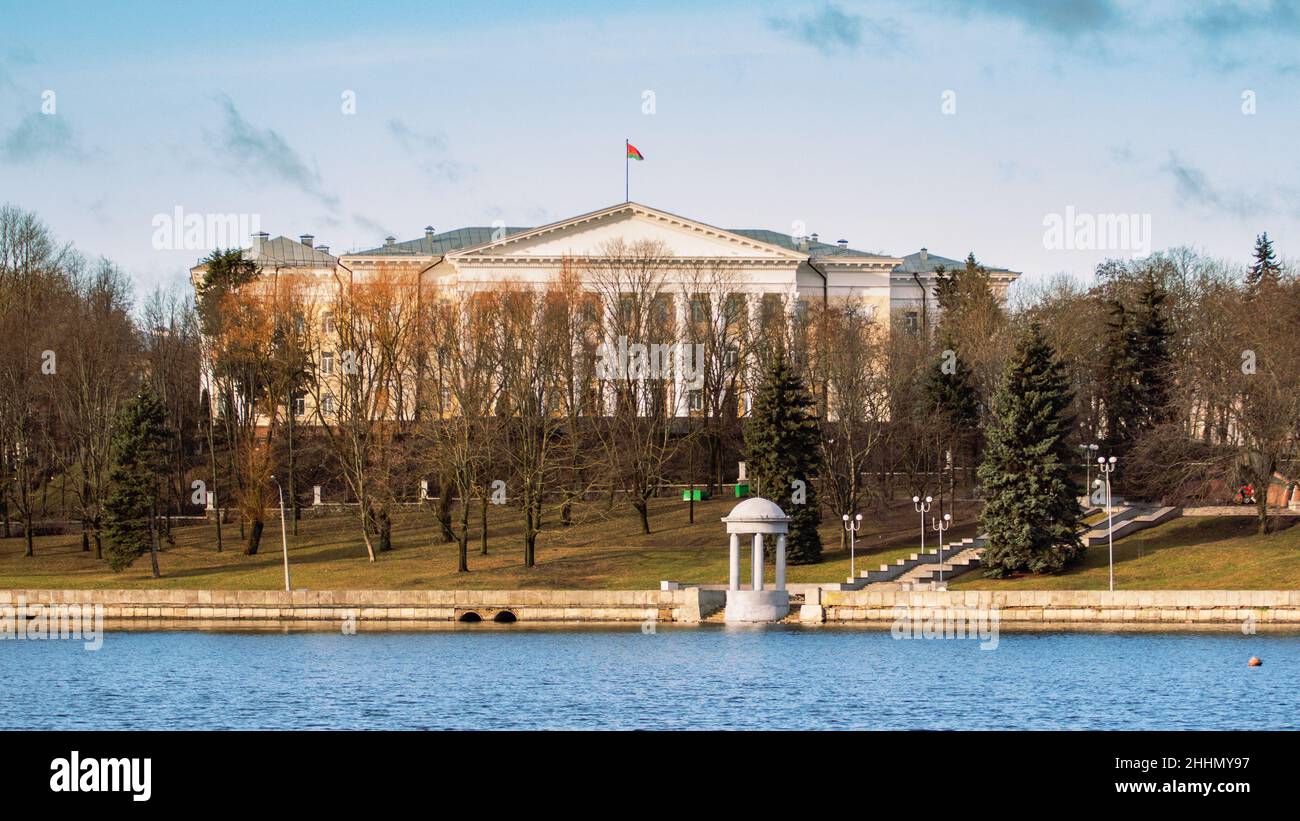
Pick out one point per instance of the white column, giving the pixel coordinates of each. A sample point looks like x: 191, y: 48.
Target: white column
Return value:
x: 681, y: 405
x: 734, y: 582
x: 757, y: 577
x: 780, y: 561
x: 754, y: 304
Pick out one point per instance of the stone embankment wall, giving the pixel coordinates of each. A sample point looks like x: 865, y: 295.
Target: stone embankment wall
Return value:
x: 1081, y: 608
x: 1084, y: 607
x: 234, y: 606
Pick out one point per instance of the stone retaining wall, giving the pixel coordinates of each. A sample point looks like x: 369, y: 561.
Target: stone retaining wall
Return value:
x: 1278, y: 607
x: 686, y: 606
x: 1237, y: 510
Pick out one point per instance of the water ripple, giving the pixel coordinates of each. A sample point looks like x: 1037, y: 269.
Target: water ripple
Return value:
x: 704, y: 678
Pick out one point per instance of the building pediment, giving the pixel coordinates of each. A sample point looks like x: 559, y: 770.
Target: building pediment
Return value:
x: 595, y: 234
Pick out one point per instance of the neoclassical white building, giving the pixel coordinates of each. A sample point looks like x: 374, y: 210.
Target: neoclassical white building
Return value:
x: 759, y: 262
x: 766, y: 261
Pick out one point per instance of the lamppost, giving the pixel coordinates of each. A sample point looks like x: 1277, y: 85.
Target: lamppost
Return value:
x: 922, y: 508
x: 284, y: 536
x: 852, y: 526
x: 1106, y: 467
x: 940, y: 525
x: 1088, y: 450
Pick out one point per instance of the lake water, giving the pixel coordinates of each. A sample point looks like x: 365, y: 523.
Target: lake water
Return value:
x: 707, y: 677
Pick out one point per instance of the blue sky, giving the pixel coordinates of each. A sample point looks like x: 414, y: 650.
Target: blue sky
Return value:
x: 830, y: 114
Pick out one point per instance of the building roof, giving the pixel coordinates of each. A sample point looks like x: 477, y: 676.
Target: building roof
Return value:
x: 813, y: 249
x: 461, y: 238
x: 444, y: 243
x: 756, y: 508
x: 916, y: 264
x: 285, y: 251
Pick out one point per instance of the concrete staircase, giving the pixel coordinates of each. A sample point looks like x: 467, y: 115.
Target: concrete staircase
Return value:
x: 1129, y: 520
x: 927, y: 576
x: 956, y: 558
x: 920, y: 571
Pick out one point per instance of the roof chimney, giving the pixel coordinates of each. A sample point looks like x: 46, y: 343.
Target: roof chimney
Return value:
x: 814, y: 238
x: 261, y: 236
x: 307, y: 239
x: 428, y: 232
x: 843, y: 243
x: 925, y: 255
x: 390, y: 241
x: 324, y: 249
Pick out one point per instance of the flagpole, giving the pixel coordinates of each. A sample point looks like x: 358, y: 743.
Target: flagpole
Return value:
x: 626, y: 143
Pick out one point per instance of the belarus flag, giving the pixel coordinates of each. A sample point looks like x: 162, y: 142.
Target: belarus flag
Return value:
x: 632, y: 153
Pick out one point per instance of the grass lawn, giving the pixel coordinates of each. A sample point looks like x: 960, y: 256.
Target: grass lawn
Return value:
x: 603, y: 549
x: 1185, y: 554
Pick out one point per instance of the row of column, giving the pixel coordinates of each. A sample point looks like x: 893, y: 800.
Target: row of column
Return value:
x: 756, y: 570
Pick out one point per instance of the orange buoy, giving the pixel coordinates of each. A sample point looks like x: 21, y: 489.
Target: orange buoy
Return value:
x: 1254, y: 662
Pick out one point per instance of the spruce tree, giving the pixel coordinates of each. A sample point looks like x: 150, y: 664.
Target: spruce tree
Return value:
x: 964, y: 291
x: 226, y: 271
x: 1031, y: 510
x: 139, y: 460
x: 950, y: 392
x: 1118, y: 379
x: 781, y: 443
x: 1150, y: 355
x: 1264, y: 270
x: 949, y: 397
x: 1135, y: 373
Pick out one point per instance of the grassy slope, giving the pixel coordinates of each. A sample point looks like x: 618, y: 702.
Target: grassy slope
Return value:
x: 603, y: 550
x: 1186, y: 554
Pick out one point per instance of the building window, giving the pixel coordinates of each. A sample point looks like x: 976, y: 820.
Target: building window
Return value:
x: 771, y: 311
x: 327, y: 404
x: 327, y: 363
x: 328, y: 323
x: 735, y: 308
x: 661, y: 313
x: 626, y: 311
x: 299, y: 404
x: 911, y: 322
x: 699, y: 309
x: 696, y: 399
x: 729, y: 358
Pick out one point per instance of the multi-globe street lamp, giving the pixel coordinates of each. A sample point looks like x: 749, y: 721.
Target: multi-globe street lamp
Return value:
x: 922, y: 508
x: 1106, y: 467
x: 940, y: 525
x: 1088, y: 451
x: 852, y: 526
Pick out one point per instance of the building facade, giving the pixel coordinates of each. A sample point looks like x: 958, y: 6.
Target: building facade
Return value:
x: 759, y: 264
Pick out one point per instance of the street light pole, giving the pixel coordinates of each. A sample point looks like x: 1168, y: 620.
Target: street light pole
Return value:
x: 1088, y: 450
x: 941, y: 525
x: 852, y: 527
x: 922, y: 508
x: 1106, y: 467
x: 284, y: 537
